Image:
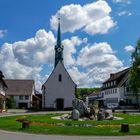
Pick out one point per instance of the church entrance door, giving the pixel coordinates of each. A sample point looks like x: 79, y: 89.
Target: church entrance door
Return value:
x: 60, y: 104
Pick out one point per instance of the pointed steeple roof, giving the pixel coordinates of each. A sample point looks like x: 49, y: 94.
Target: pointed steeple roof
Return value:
x: 58, y: 46
x: 59, y: 35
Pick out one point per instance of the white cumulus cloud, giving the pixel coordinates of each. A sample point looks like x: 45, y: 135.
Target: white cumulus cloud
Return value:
x: 99, y: 54
x: 93, y: 18
x: 70, y: 49
x: 124, y: 13
x: 129, y: 48
x: 122, y: 1
x: 79, y: 77
x: 37, y: 50
x: 98, y: 61
x: 24, y: 59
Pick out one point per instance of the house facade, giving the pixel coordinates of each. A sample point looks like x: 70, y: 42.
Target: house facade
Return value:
x: 126, y: 94
x: 22, y: 91
x: 111, y: 88
x: 3, y: 89
x: 116, y: 89
x: 59, y: 90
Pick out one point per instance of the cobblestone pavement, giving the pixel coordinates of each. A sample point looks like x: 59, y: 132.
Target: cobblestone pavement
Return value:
x: 4, y: 135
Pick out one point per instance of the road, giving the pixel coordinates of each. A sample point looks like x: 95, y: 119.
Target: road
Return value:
x: 4, y: 135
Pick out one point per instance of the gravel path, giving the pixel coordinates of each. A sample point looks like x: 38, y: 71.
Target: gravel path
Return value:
x: 32, y: 113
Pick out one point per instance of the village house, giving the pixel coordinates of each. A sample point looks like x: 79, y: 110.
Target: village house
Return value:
x: 3, y: 89
x: 22, y: 91
x: 112, y: 88
x: 59, y: 90
x: 116, y: 91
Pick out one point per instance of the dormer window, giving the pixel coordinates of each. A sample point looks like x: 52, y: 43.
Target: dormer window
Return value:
x: 59, y: 77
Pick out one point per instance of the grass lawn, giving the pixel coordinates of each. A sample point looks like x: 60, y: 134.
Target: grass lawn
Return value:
x: 43, y: 124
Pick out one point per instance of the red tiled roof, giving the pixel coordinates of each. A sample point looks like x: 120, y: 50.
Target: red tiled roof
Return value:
x: 93, y: 94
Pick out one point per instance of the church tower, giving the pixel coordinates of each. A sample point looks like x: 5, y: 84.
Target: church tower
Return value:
x: 58, y: 47
x: 59, y: 89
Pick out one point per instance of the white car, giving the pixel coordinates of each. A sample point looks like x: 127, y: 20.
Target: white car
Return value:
x: 111, y: 106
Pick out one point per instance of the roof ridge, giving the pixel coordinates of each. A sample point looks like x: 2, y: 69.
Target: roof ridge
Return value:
x: 116, y: 75
x: 121, y: 71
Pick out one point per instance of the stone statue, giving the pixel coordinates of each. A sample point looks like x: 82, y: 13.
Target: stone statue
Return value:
x: 104, y: 115
x: 75, y: 114
x: 108, y: 114
x: 81, y: 107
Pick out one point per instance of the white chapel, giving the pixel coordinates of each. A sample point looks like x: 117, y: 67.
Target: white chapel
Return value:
x: 59, y: 90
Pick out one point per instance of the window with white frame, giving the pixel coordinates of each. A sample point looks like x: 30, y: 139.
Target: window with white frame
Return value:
x: 26, y: 97
x: 21, y: 97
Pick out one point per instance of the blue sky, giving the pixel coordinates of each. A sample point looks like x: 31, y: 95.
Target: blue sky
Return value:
x: 98, y: 37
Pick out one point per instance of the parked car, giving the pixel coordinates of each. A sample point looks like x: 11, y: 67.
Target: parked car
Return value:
x: 112, y: 106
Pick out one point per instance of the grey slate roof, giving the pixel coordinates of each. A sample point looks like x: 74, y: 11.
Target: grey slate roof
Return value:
x: 19, y: 87
x: 114, y: 76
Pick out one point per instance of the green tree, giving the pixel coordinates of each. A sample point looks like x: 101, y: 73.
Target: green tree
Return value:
x: 134, y: 75
x: 82, y: 92
x: 10, y: 103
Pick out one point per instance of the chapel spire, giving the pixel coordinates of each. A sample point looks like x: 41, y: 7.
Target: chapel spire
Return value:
x: 58, y: 46
x: 58, y: 34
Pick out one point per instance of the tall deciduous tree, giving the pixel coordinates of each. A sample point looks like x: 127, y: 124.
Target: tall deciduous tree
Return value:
x: 134, y: 75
